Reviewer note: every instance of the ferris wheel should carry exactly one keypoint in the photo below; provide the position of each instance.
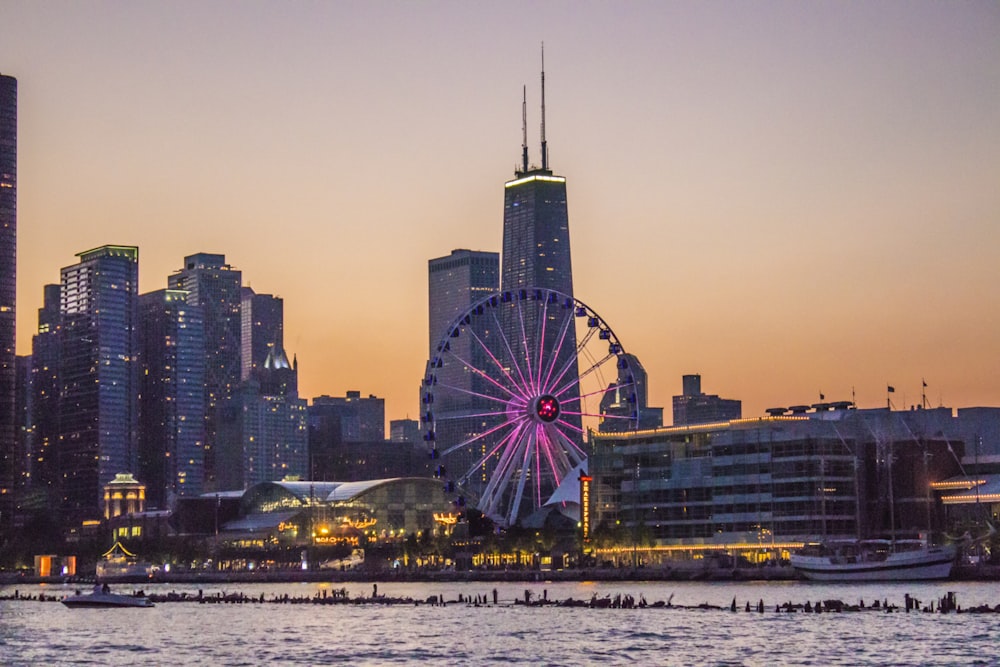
(510, 392)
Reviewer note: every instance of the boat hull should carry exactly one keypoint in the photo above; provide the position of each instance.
(106, 600)
(923, 565)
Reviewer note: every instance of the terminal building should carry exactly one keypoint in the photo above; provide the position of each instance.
(764, 486)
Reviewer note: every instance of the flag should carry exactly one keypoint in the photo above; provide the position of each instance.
(821, 396)
(890, 389)
(924, 382)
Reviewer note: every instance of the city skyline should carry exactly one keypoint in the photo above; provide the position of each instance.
(786, 199)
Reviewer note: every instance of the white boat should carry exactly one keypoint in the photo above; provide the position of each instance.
(103, 597)
(875, 560)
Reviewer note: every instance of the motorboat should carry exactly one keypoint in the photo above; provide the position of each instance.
(103, 597)
(875, 560)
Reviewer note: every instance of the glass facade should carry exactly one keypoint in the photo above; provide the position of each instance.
(98, 375)
(46, 353)
(215, 287)
(172, 404)
(828, 475)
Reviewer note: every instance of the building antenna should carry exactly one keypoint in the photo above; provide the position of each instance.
(545, 148)
(524, 131)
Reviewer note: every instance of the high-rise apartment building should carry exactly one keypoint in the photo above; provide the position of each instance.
(98, 374)
(263, 317)
(263, 432)
(172, 403)
(9, 464)
(215, 287)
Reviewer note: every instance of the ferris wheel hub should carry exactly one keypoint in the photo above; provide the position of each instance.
(545, 408)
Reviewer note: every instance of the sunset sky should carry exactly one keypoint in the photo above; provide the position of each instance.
(786, 197)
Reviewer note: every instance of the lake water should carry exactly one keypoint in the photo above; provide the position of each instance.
(186, 633)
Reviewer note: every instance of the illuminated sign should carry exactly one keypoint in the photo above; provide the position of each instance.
(446, 518)
(585, 481)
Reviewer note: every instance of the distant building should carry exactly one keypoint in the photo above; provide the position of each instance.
(694, 407)
(215, 287)
(10, 464)
(626, 408)
(172, 403)
(99, 376)
(404, 430)
(355, 419)
(263, 323)
(263, 428)
(456, 282)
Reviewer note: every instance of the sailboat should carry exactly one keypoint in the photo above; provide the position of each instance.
(876, 559)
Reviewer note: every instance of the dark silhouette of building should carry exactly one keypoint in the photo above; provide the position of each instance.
(215, 287)
(98, 416)
(172, 403)
(263, 317)
(10, 466)
(694, 407)
(46, 353)
(404, 430)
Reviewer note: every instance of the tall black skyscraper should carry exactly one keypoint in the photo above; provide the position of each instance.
(536, 255)
(9, 463)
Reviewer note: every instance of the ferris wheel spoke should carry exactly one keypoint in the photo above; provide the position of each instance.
(527, 353)
(522, 477)
(557, 352)
(469, 392)
(458, 417)
(476, 437)
(572, 359)
(542, 322)
(510, 353)
(483, 374)
(553, 450)
(504, 441)
(502, 473)
(599, 392)
(581, 376)
(573, 450)
(498, 364)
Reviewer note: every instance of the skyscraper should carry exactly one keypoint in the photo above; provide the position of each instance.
(536, 256)
(9, 464)
(215, 287)
(263, 317)
(263, 431)
(172, 403)
(455, 283)
(98, 374)
(45, 387)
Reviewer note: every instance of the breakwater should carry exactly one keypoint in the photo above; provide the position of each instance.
(943, 605)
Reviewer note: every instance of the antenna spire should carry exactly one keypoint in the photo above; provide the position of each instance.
(524, 131)
(545, 148)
